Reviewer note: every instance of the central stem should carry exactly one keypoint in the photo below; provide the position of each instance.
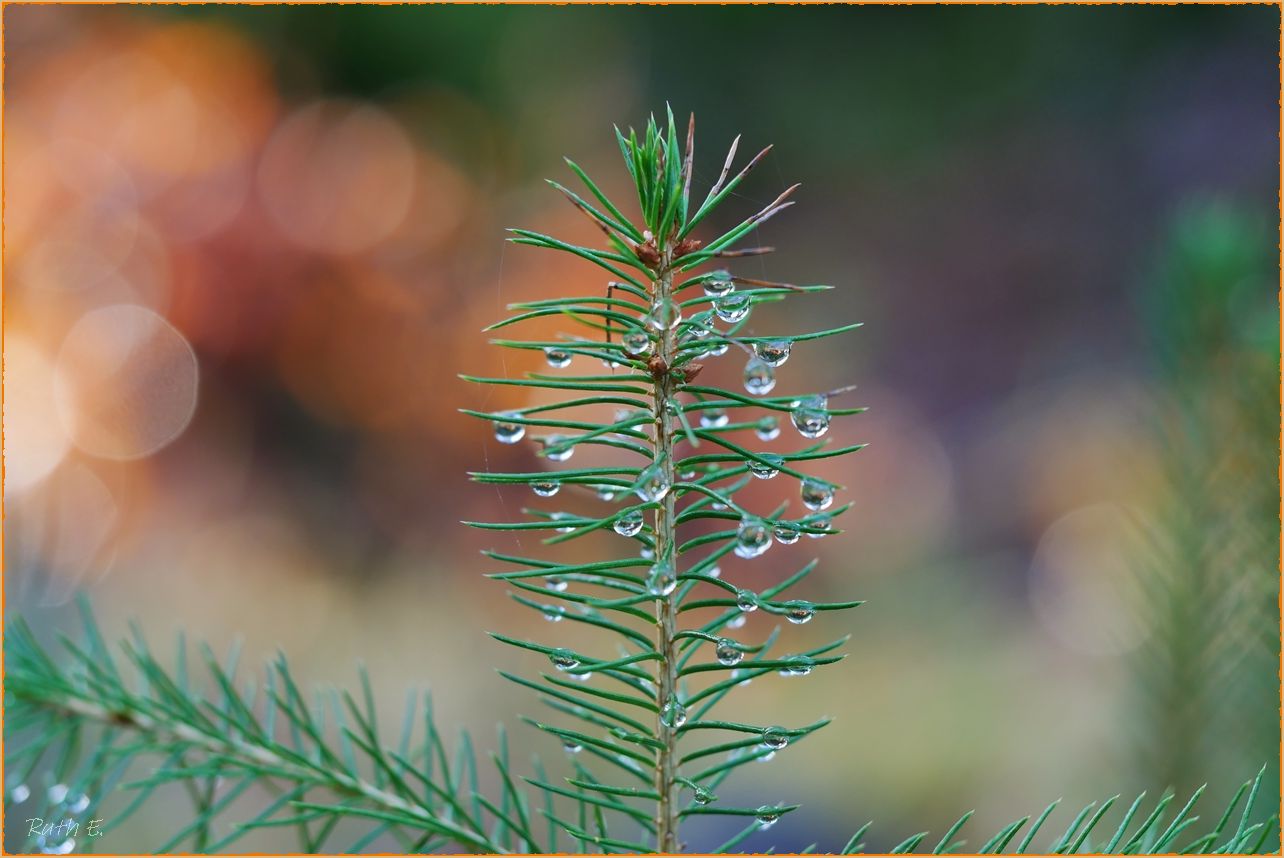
(666, 772)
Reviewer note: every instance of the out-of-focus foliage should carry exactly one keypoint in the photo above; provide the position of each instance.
(1211, 582)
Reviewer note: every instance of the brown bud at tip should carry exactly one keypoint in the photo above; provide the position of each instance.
(649, 255)
(687, 245)
(656, 366)
(691, 371)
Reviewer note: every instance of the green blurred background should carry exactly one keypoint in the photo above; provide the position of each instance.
(248, 249)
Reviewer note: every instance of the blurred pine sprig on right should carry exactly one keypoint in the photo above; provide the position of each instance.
(1208, 677)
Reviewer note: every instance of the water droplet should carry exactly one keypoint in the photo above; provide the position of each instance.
(753, 537)
(732, 307)
(774, 352)
(767, 468)
(648, 553)
(629, 524)
(799, 611)
(563, 659)
(557, 358)
(606, 493)
(553, 613)
(736, 622)
(786, 532)
(816, 495)
(663, 580)
(78, 804)
(775, 738)
(703, 796)
(822, 524)
(507, 432)
(560, 516)
(797, 665)
(546, 488)
(555, 582)
(19, 794)
(637, 342)
(767, 429)
(653, 483)
(767, 816)
(571, 746)
(665, 315)
(714, 418)
(57, 793)
(673, 714)
(714, 572)
(746, 601)
(811, 416)
(759, 377)
(738, 673)
(687, 476)
(62, 848)
(727, 653)
(719, 349)
(719, 284)
(582, 677)
(765, 758)
(557, 455)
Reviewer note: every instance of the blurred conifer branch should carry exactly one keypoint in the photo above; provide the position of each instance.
(1208, 677)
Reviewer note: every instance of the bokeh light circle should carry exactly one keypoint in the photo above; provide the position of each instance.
(125, 382)
(1084, 586)
(34, 442)
(337, 177)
